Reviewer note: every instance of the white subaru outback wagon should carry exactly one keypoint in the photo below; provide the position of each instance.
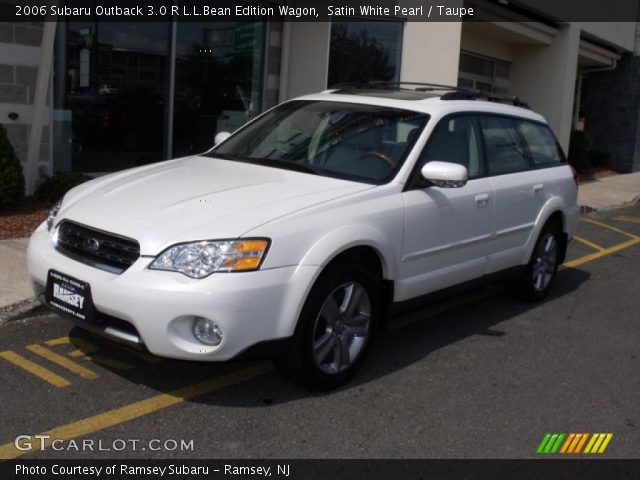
(296, 233)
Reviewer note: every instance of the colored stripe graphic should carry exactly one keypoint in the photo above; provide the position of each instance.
(598, 442)
(594, 437)
(567, 443)
(605, 443)
(550, 443)
(583, 438)
(543, 443)
(574, 442)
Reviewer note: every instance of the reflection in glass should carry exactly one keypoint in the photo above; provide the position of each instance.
(219, 70)
(365, 51)
(110, 94)
(359, 142)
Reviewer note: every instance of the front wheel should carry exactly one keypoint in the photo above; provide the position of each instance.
(537, 278)
(334, 328)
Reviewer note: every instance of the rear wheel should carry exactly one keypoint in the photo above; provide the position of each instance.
(334, 329)
(541, 270)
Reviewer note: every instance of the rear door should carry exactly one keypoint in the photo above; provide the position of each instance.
(519, 193)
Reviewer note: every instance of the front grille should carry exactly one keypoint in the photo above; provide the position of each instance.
(97, 248)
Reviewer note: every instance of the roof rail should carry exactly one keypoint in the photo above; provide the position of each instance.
(469, 94)
(451, 92)
(382, 84)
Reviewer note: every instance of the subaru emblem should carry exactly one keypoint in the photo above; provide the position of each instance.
(92, 244)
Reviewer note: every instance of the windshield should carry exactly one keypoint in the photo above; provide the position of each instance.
(359, 142)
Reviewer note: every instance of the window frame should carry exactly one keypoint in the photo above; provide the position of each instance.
(415, 182)
(527, 152)
(532, 164)
(382, 181)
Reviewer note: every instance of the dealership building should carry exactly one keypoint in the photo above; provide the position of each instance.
(98, 96)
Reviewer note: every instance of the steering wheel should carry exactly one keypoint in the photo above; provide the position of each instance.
(383, 156)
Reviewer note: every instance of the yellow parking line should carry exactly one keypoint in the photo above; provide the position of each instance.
(31, 367)
(600, 253)
(62, 361)
(158, 402)
(492, 290)
(627, 218)
(143, 407)
(588, 243)
(81, 346)
(87, 351)
(610, 227)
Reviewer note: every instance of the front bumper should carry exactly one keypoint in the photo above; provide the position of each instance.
(249, 307)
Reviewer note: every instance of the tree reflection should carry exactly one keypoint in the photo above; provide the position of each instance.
(357, 56)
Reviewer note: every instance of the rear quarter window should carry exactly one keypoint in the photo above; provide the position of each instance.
(542, 144)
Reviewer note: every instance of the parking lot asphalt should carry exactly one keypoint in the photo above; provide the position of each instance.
(477, 375)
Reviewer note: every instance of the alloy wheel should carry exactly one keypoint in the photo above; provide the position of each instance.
(342, 328)
(544, 266)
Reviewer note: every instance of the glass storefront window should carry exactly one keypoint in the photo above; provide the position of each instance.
(218, 86)
(112, 89)
(110, 94)
(365, 51)
(483, 73)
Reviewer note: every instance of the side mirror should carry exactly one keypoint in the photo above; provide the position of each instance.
(445, 174)
(220, 137)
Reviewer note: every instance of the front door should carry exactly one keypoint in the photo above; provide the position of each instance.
(447, 230)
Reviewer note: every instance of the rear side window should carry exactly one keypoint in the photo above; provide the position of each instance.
(542, 144)
(505, 151)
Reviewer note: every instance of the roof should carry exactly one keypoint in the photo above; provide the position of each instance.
(436, 100)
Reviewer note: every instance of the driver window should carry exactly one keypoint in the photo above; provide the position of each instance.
(455, 140)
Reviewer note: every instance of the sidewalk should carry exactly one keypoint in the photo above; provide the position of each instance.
(14, 283)
(608, 192)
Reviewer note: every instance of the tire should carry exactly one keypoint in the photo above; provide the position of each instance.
(335, 328)
(535, 282)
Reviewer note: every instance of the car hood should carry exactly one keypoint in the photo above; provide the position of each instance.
(196, 198)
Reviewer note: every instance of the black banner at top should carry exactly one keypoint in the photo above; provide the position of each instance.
(321, 10)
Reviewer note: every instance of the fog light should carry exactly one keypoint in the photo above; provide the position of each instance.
(207, 331)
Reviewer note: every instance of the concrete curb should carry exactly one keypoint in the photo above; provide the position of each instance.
(586, 209)
(26, 308)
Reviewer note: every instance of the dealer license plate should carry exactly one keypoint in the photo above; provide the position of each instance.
(69, 296)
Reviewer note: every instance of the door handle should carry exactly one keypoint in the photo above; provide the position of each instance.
(538, 188)
(482, 200)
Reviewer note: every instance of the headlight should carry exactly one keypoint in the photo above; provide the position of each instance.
(53, 213)
(199, 259)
